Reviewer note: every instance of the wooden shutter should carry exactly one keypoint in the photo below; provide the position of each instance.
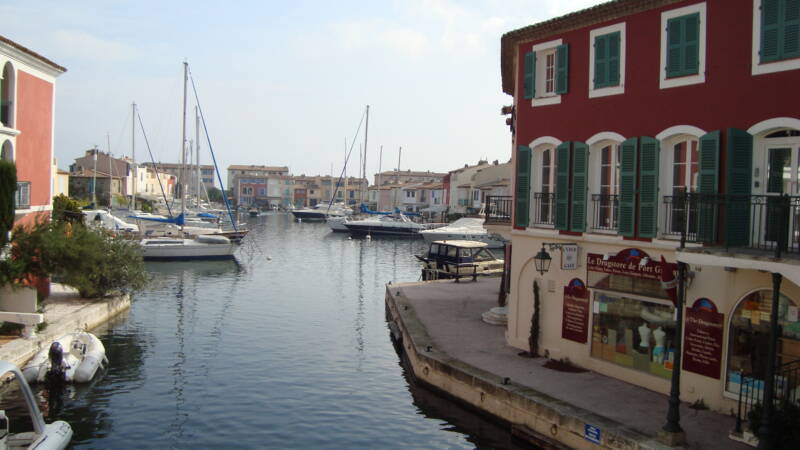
(613, 58)
(708, 180)
(562, 68)
(648, 186)
(562, 186)
(601, 61)
(580, 176)
(790, 47)
(770, 30)
(691, 44)
(674, 47)
(523, 186)
(530, 75)
(738, 185)
(628, 156)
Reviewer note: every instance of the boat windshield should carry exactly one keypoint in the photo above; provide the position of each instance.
(482, 254)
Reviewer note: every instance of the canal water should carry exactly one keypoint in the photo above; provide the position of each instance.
(285, 348)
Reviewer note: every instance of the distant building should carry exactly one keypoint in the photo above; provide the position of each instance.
(27, 102)
(469, 185)
(407, 176)
(207, 175)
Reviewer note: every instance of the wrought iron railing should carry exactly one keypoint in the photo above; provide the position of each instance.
(758, 222)
(751, 392)
(604, 215)
(498, 209)
(543, 208)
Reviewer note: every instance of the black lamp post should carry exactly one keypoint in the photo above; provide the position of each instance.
(543, 259)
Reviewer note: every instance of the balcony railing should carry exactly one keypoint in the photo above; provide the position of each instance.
(498, 209)
(604, 215)
(751, 392)
(543, 208)
(757, 222)
(23, 195)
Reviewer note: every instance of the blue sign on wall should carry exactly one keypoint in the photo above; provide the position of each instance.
(591, 433)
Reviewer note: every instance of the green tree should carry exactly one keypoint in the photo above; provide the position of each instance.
(215, 195)
(65, 208)
(8, 186)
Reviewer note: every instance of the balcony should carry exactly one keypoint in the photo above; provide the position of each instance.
(754, 223)
(543, 209)
(498, 209)
(604, 212)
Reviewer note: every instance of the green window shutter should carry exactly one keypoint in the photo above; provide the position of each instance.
(627, 187)
(790, 47)
(523, 186)
(613, 58)
(691, 44)
(738, 185)
(770, 30)
(562, 68)
(580, 176)
(530, 75)
(601, 61)
(674, 47)
(648, 186)
(708, 180)
(562, 186)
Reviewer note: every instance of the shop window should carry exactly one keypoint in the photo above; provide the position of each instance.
(749, 337)
(634, 333)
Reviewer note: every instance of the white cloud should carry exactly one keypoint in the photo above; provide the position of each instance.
(84, 46)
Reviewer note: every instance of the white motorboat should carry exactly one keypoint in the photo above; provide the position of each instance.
(103, 219)
(465, 228)
(82, 353)
(45, 436)
(396, 225)
(322, 211)
(457, 258)
(202, 247)
(337, 223)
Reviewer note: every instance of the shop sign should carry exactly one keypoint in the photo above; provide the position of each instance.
(702, 340)
(591, 433)
(575, 317)
(630, 262)
(569, 257)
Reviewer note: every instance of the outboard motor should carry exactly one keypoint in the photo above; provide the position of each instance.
(56, 378)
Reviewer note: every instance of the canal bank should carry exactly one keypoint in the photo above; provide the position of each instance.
(64, 312)
(449, 347)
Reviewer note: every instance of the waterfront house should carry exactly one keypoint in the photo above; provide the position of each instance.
(207, 175)
(27, 121)
(650, 129)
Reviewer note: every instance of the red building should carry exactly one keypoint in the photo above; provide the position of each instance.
(658, 128)
(27, 105)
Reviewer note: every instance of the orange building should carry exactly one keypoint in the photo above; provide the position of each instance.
(27, 105)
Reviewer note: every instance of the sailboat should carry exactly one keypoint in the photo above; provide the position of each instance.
(200, 247)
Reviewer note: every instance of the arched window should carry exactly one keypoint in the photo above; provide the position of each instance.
(544, 186)
(749, 336)
(7, 96)
(7, 151)
(605, 187)
(681, 156)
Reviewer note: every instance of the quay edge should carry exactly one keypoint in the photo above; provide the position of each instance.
(64, 312)
(531, 415)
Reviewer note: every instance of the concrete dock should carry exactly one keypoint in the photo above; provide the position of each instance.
(450, 348)
(64, 312)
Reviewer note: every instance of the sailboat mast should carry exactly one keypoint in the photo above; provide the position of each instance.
(363, 186)
(110, 179)
(397, 176)
(197, 154)
(183, 139)
(133, 157)
(380, 164)
(344, 173)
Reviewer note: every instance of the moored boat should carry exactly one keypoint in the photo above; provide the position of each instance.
(321, 212)
(465, 228)
(393, 225)
(80, 354)
(201, 247)
(459, 258)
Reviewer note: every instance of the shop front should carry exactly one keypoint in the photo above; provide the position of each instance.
(633, 317)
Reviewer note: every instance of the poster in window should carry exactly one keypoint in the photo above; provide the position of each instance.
(575, 317)
(702, 340)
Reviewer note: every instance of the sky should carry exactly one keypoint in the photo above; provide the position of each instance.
(282, 83)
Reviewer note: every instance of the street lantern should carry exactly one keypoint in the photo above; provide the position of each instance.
(542, 261)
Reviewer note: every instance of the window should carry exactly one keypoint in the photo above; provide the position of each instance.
(607, 61)
(607, 188)
(776, 36)
(544, 189)
(546, 73)
(23, 195)
(683, 46)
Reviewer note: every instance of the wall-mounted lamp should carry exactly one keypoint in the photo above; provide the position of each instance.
(543, 259)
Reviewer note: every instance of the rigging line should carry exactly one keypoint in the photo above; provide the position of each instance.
(211, 149)
(155, 167)
(352, 144)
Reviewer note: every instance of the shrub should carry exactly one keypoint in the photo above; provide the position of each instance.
(65, 208)
(94, 262)
(8, 185)
(783, 426)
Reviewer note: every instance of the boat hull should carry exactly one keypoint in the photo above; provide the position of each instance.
(309, 215)
(388, 230)
(186, 250)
